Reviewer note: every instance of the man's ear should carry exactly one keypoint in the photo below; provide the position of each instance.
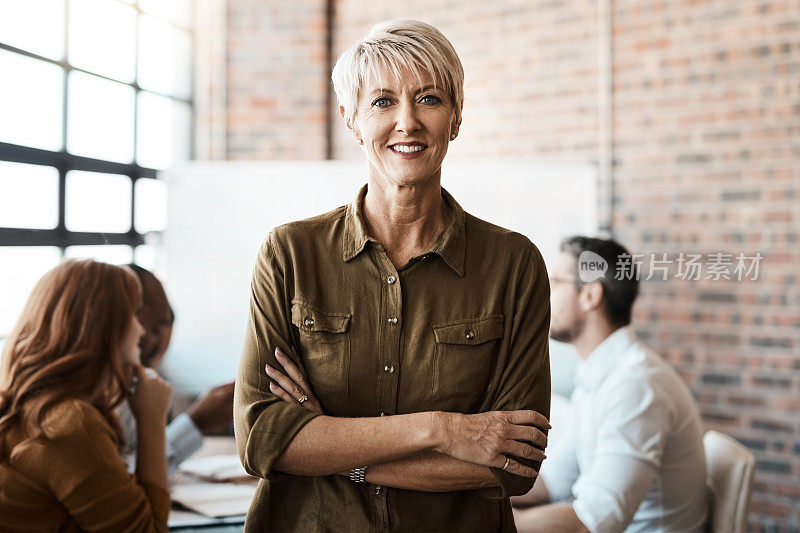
(591, 296)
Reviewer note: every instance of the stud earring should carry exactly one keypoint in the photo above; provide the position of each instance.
(452, 136)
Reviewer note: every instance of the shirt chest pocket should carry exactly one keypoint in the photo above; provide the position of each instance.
(464, 358)
(324, 346)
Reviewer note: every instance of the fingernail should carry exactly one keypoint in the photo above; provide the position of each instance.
(278, 352)
(268, 368)
(271, 385)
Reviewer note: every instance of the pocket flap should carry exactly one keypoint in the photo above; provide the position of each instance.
(309, 319)
(470, 331)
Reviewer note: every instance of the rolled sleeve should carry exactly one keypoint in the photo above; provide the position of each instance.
(183, 439)
(560, 471)
(525, 379)
(630, 444)
(609, 495)
(263, 423)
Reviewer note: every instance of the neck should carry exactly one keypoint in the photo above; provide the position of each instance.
(596, 331)
(406, 220)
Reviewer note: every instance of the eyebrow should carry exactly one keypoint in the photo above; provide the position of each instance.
(389, 91)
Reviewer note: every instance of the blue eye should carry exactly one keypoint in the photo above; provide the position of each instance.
(381, 102)
(430, 99)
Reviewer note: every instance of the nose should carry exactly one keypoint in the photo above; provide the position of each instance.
(407, 121)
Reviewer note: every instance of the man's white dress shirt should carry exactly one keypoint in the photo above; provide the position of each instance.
(632, 455)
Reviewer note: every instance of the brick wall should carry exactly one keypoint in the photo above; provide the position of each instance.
(706, 145)
(707, 139)
(277, 79)
(526, 93)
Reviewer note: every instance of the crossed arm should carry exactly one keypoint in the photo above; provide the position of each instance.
(431, 451)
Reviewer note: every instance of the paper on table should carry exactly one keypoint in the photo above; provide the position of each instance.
(216, 468)
(179, 518)
(214, 499)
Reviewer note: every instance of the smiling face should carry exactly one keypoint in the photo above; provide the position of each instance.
(405, 125)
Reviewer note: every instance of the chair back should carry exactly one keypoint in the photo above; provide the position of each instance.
(729, 471)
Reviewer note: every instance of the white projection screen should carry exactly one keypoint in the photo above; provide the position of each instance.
(219, 213)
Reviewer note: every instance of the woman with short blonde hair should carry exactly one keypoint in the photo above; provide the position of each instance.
(395, 372)
(67, 364)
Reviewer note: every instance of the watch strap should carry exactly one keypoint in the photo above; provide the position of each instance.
(357, 475)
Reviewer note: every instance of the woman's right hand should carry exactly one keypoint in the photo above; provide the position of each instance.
(490, 438)
(151, 400)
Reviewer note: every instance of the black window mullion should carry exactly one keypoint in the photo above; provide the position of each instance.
(64, 162)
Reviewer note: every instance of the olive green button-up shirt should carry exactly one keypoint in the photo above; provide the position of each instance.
(462, 327)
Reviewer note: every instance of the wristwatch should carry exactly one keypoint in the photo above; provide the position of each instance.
(357, 475)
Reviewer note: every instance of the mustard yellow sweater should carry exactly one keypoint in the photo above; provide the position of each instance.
(77, 481)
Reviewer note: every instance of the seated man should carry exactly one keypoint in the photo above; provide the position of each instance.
(210, 414)
(632, 453)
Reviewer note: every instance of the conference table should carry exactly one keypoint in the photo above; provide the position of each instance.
(184, 519)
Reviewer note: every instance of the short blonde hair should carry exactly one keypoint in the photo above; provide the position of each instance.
(398, 45)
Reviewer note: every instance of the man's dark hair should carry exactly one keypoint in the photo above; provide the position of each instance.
(620, 284)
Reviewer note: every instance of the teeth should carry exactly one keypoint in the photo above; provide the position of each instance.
(407, 149)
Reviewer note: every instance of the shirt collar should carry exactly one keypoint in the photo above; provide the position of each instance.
(603, 359)
(450, 245)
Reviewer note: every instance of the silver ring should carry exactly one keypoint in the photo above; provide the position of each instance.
(505, 466)
(302, 399)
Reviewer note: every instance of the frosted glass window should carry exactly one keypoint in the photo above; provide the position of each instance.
(33, 25)
(176, 11)
(164, 131)
(31, 104)
(20, 269)
(150, 211)
(165, 58)
(102, 38)
(145, 257)
(100, 123)
(28, 196)
(98, 202)
(116, 254)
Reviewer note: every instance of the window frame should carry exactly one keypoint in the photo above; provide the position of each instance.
(65, 162)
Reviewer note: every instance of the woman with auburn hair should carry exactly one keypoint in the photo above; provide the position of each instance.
(70, 360)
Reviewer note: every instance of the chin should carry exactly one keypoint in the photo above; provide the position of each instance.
(561, 335)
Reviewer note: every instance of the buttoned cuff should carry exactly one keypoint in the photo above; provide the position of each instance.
(183, 439)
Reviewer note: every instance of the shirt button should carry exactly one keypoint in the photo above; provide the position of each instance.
(469, 334)
(308, 322)
(391, 279)
(393, 320)
(389, 369)
(378, 490)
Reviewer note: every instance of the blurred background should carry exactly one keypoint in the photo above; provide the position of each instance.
(177, 133)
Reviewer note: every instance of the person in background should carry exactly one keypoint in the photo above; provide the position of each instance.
(632, 455)
(211, 414)
(69, 361)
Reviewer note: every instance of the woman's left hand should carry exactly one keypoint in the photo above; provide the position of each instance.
(291, 386)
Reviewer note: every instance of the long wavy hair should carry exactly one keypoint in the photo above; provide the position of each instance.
(67, 344)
